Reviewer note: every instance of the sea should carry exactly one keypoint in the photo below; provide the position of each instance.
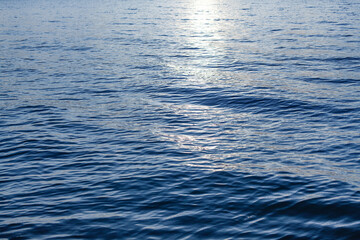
(180, 119)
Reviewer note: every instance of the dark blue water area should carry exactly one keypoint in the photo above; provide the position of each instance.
(179, 119)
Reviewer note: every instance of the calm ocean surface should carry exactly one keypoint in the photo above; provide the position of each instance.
(179, 119)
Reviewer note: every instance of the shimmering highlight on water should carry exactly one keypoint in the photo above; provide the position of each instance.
(190, 119)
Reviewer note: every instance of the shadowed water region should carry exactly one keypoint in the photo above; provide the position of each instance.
(179, 119)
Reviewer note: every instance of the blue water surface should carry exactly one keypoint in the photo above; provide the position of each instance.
(179, 119)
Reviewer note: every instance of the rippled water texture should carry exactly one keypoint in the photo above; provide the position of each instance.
(181, 119)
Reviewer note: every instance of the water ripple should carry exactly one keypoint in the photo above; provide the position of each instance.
(179, 120)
